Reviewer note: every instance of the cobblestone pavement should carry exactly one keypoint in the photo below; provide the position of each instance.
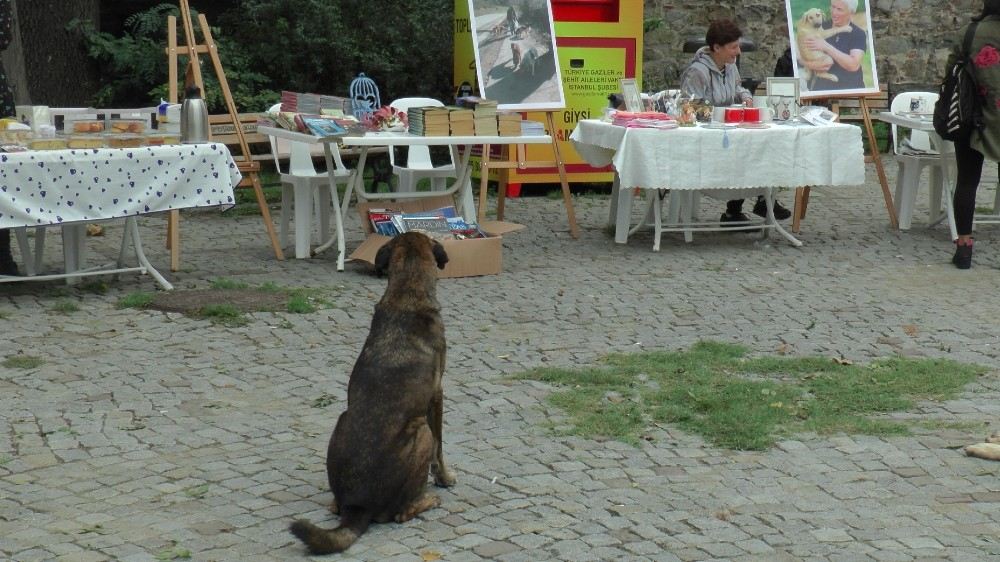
(152, 436)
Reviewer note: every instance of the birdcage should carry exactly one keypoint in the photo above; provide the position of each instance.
(364, 96)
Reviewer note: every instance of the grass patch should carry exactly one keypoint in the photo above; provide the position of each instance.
(744, 403)
(64, 306)
(23, 362)
(225, 314)
(300, 304)
(136, 300)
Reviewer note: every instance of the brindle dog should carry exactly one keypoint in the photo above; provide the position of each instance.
(390, 435)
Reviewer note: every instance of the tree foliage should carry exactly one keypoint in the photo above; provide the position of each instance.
(266, 46)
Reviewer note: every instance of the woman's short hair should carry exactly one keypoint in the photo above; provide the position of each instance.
(722, 32)
(852, 5)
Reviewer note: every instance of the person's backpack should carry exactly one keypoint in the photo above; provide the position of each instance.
(959, 109)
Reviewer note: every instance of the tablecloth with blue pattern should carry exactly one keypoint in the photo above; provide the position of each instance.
(53, 187)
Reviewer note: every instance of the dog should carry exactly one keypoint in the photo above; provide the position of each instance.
(521, 31)
(499, 29)
(389, 436)
(809, 26)
(526, 58)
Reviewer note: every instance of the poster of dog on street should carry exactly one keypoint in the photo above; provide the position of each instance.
(515, 47)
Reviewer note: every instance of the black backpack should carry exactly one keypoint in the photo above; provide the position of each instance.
(959, 107)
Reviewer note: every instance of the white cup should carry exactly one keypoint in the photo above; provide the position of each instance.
(719, 114)
(766, 114)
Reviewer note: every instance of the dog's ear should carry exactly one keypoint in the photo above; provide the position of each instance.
(439, 254)
(382, 258)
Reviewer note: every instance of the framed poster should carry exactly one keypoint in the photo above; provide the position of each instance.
(630, 91)
(516, 59)
(832, 47)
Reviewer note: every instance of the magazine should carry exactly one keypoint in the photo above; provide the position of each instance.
(816, 115)
(320, 125)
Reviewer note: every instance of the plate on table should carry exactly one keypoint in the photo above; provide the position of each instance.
(919, 115)
(718, 125)
(755, 125)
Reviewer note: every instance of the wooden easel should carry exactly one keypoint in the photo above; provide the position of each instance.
(802, 193)
(505, 164)
(249, 168)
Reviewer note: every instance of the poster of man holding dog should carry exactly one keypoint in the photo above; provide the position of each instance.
(514, 44)
(832, 46)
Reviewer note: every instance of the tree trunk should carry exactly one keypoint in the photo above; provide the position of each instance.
(13, 62)
(56, 69)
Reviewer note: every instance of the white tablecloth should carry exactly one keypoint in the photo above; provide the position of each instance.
(700, 158)
(39, 188)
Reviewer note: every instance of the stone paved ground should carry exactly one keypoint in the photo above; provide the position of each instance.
(150, 436)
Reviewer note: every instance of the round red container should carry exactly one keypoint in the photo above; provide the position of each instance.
(751, 115)
(735, 115)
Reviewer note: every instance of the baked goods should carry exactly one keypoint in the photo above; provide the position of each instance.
(89, 126)
(127, 126)
(85, 141)
(47, 144)
(124, 141)
(158, 139)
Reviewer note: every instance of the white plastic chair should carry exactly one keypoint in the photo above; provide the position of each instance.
(301, 186)
(926, 151)
(418, 160)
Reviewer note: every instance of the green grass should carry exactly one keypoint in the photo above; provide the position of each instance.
(225, 314)
(745, 403)
(136, 300)
(300, 304)
(64, 306)
(22, 362)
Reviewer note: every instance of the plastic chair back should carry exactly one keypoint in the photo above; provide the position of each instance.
(418, 157)
(919, 140)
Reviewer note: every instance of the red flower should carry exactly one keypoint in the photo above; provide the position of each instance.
(987, 56)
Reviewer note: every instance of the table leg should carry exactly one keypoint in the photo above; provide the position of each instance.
(466, 199)
(133, 228)
(484, 180)
(337, 214)
(770, 220)
(615, 188)
(623, 216)
(303, 217)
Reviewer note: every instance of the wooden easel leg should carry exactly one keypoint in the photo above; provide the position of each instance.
(801, 204)
(174, 239)
(567, 196)
(502, 181)
(266, 216)
(873, 147)
(484, 182)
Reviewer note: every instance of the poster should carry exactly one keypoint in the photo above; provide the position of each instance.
(832, 47)
(515, 49)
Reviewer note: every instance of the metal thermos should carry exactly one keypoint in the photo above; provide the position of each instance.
(194, 117)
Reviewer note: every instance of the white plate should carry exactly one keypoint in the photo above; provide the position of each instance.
(718, 125)
(755, 125)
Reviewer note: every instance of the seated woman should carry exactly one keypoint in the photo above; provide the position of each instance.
(712, 76)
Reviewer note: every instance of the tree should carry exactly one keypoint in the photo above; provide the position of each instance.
(51, 54)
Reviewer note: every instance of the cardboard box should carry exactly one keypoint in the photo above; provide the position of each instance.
(466, 258)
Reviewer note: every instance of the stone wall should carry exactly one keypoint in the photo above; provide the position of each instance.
(912, 37)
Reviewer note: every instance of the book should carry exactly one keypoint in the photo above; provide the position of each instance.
(436, 227)
(381, 220)
(320, 126)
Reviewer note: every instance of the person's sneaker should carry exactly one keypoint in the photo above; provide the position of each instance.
(780, 213)
(734, 219)
(963, 256)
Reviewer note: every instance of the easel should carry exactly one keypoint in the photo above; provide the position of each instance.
(802, 193)
(505, 164)
(244, 163)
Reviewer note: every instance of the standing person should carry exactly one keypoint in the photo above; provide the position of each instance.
(846, 50)
(712, 76)
(7, 265)
(511, 19)
(972, 151)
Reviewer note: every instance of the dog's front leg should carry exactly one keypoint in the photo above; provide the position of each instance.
(442, 476)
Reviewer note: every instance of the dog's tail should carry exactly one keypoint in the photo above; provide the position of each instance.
(353, 523)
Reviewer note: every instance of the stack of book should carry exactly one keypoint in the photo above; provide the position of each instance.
(461, 121)
(484, 114)
(314, 103)
(440, 224)
(509, 124)
(429, 121)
